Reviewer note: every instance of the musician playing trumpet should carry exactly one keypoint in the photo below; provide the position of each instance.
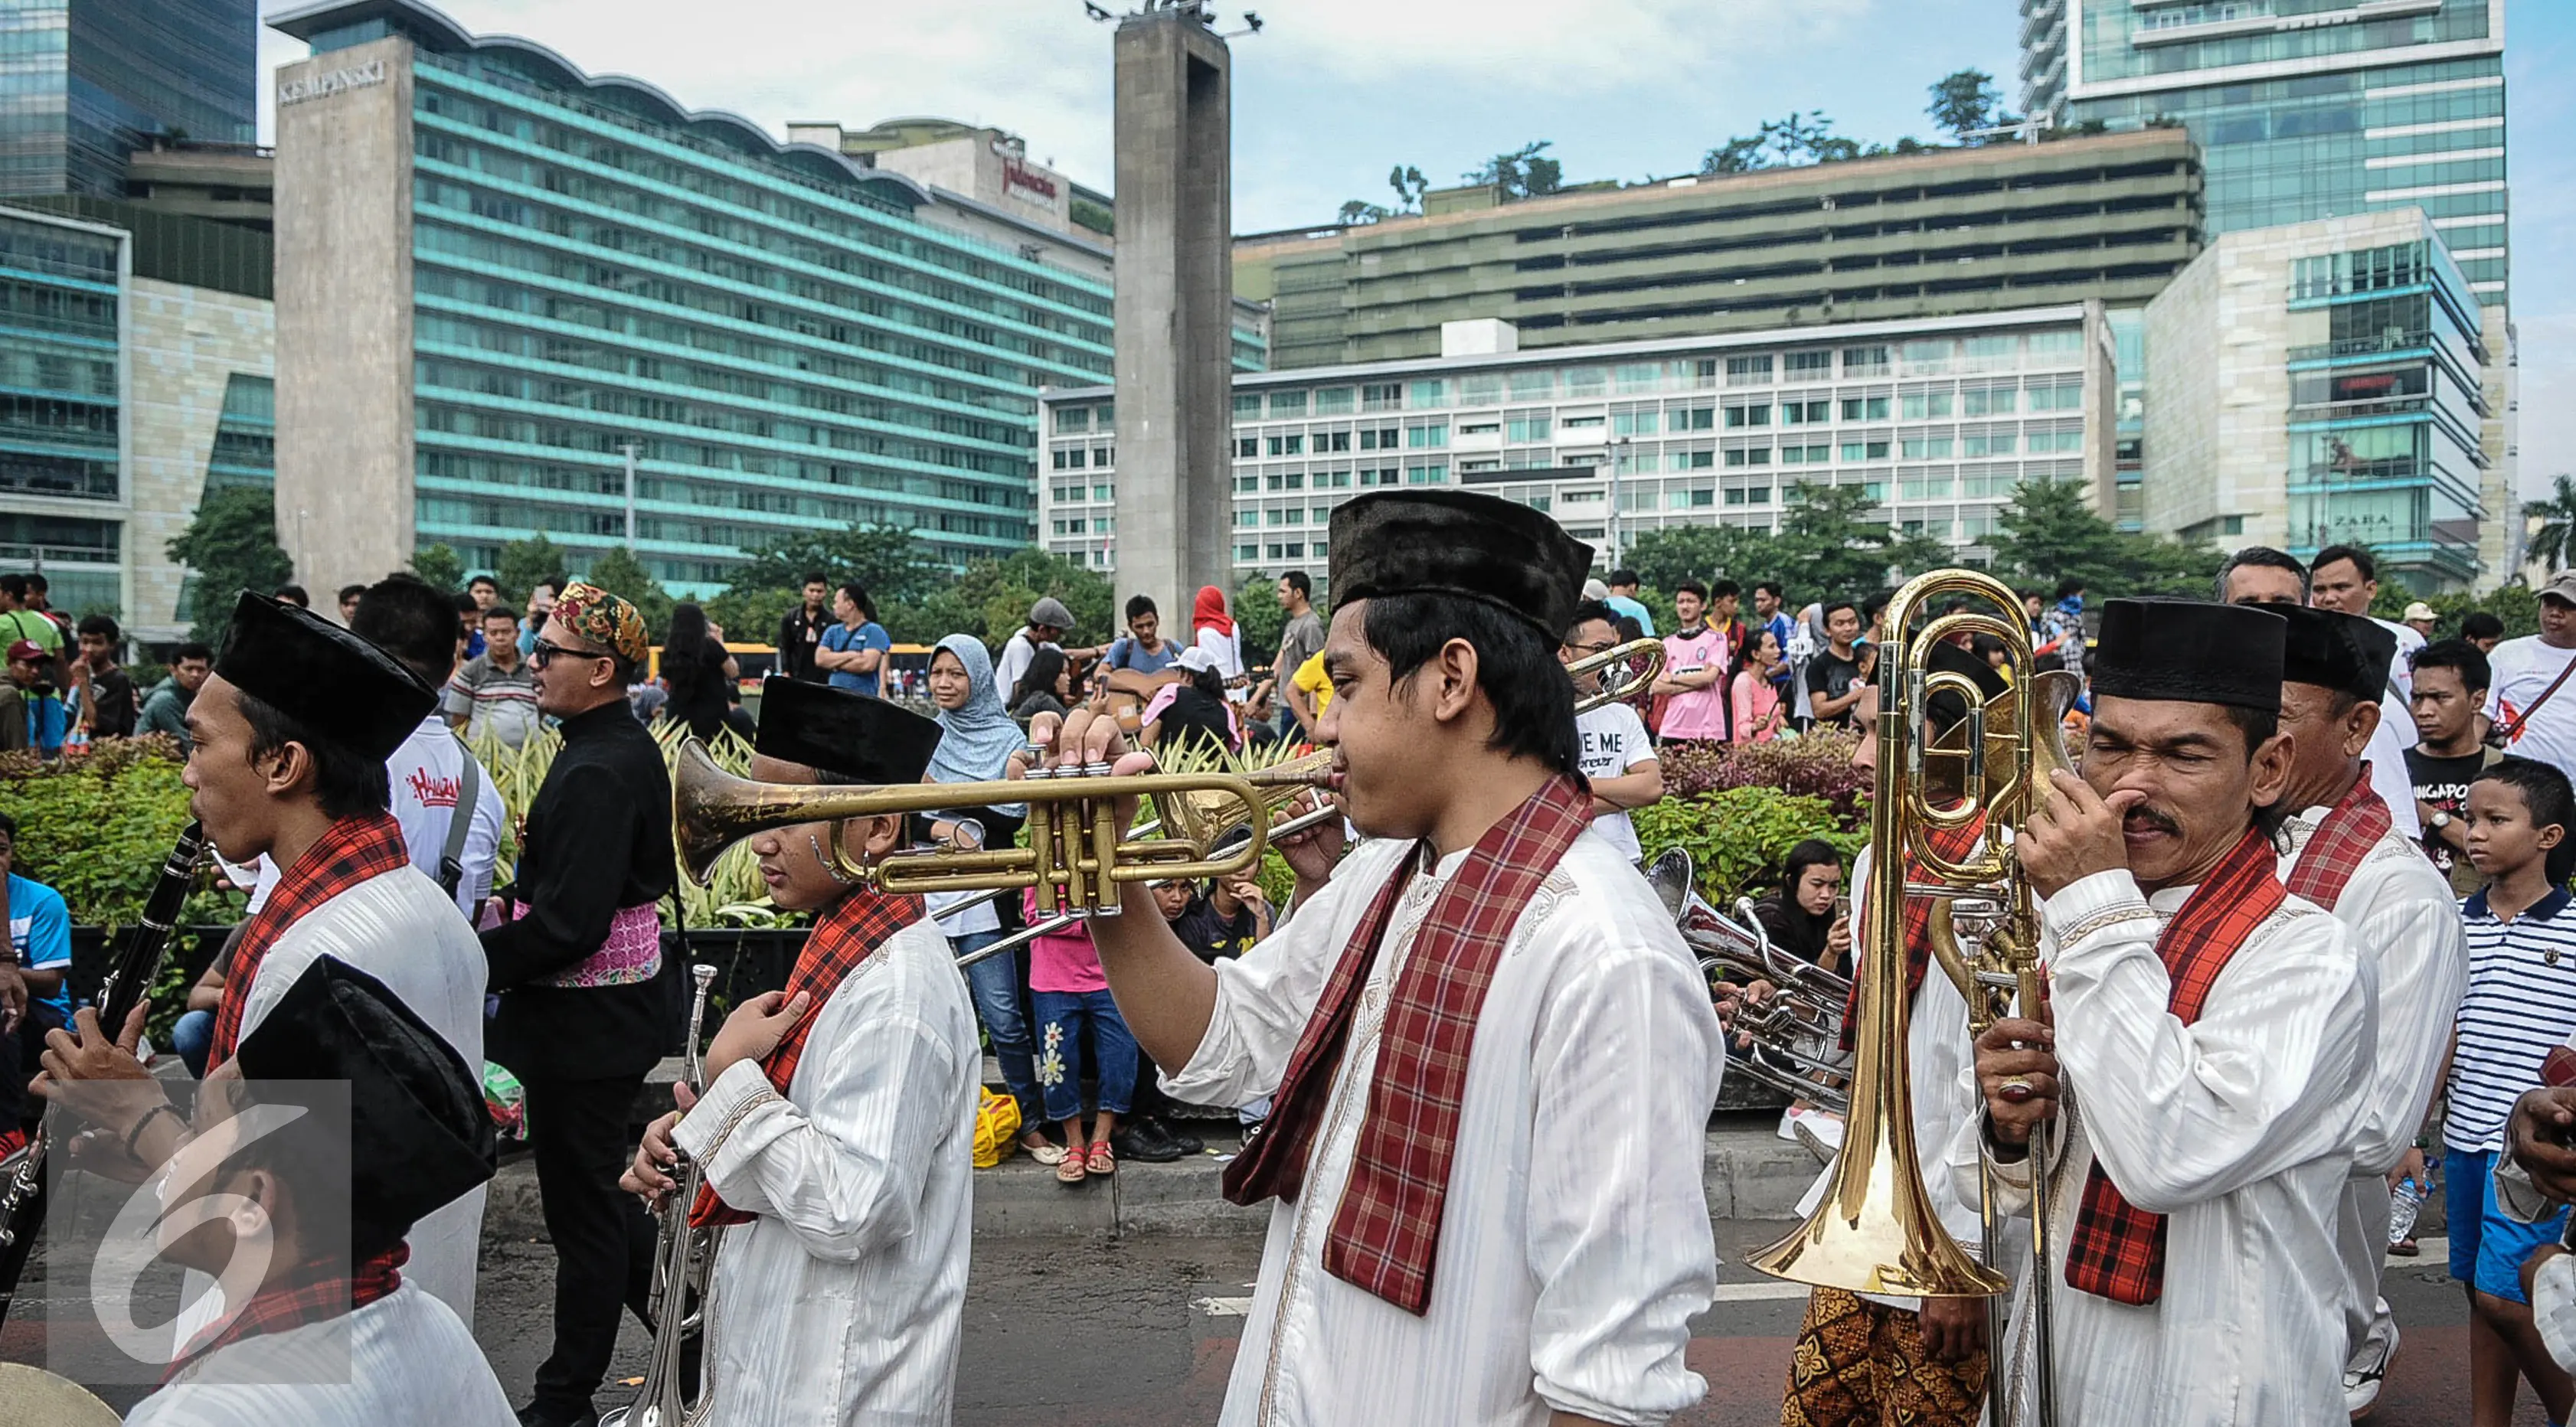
(2210, 1030)
(837, 1127)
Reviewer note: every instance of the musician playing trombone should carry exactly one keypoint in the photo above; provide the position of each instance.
(2207, 1029)
(837, 1127)
(1481, 1037)
(1618, 757)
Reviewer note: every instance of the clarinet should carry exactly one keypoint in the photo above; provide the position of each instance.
(129, 982)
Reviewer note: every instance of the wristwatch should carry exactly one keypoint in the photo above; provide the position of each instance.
(2438, 821)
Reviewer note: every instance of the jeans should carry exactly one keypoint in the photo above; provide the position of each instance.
(192, 1038)
(1061, 1017)
(995, 984)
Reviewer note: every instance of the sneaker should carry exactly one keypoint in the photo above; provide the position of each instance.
(2362, 1378)
(1789, 1125)
(1820, 1132)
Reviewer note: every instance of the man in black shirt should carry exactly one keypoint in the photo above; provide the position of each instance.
(800, 634)
(577, 960)
(108, 705)
(2451, 680)
(1839, 671)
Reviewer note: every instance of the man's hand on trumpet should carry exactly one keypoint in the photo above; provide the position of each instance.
(1081, 739)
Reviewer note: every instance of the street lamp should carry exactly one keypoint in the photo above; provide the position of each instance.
(1616, 443)
(629, 448)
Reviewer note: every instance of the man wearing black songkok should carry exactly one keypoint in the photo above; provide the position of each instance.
(1478, 1011)
(288, 741)
(334, 1332)
(2209, 1026)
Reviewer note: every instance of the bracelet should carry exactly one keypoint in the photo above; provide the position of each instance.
(136, 1133)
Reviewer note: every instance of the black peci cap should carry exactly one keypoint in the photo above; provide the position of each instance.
(843, 733)
(2333, 650)
(2189, 651)
(336, 684)
(1459, 543)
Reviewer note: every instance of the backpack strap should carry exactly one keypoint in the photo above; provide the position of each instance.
(469, 791)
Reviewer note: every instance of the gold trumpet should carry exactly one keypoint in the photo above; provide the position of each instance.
(1075, 856)
(1620, 679)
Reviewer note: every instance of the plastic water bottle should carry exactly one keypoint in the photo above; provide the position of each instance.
(2403, 1206)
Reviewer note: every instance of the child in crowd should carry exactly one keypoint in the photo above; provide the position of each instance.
(2521, 1001)
(1068, 995)
(1226, 920)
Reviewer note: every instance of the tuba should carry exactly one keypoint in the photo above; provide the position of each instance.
(1798, 1031)
(684, 1262)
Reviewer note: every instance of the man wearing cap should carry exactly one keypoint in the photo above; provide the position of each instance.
(337, 1329)
(31, 707)
(575, 958)
(1049, 621)
(837, 1126)
(2529, 701)
(2346, 855)
(288, 741)
(2208, 1030)
(1482, 1012)
(2420, 618)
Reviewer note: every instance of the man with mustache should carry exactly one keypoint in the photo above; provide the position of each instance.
(2206, 1027)
(2346, 855)
(1486, 1010)
(837, 1123)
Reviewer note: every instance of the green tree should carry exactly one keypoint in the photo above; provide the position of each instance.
(1258, 617)
(2050, 533)
(890, 560)
(2554, 544)
(439, 565)
(1409, 186)
(1664, 558)
(230, 546)
(526, 562)
(1828, 543)
(1359, 211)
(621, 574)
(1522, 173)
(1964, 102)
(992, 598)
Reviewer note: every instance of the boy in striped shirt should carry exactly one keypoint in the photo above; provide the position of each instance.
(2521, 1002)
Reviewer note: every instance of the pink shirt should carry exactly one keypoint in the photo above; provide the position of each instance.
(1699, 713)
(1066, 961)
(1757, 703)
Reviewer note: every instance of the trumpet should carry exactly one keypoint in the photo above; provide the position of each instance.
(683, 1265)
(1620, 679)
(1798, 1031)
(1075, 859)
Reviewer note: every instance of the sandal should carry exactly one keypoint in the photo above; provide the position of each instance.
(1102, 1159)
(1071, 1169)
(1042, 1149)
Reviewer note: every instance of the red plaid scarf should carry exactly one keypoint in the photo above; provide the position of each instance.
(315, 1293)
(1386, 1231)
(2352, 827)
(1952, 844)
(839, 944)
(2118, 1250)
(349, 852)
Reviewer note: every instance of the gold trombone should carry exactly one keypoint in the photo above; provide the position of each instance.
(1620, 677)
(1075, 857)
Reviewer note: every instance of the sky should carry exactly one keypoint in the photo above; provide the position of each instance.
(1330, 94)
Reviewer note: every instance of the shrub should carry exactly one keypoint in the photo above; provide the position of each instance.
(1816, 766)
(98, 828)
(1739, 837)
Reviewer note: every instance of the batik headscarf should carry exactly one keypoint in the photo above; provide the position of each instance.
(978, 737)
(605, 620)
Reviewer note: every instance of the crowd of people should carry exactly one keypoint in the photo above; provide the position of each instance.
(2301, 905)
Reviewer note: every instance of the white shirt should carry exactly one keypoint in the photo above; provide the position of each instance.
(1227, 650)
(2401, 669)
(405, 1358)
(841, 1302)
(1614, 740)
(2239, 1128)
(1561, 1283)
(2524, 669)
(1018, 652)
(2387, 758)
(426, 777)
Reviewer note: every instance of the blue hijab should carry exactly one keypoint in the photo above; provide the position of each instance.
(978, 737)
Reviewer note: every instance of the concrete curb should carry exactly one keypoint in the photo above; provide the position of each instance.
(1748, 1173)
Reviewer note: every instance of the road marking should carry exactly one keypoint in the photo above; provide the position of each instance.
(1222, 1307)
(1757, 1292)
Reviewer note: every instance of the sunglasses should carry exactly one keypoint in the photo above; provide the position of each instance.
(546, 652)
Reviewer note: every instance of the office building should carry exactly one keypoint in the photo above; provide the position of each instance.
(980, 164)
(1946, 233)
(136, 359)
(84, 83)
(1940, 419)
(2313, 109)
(504, 279)
(2323, 383)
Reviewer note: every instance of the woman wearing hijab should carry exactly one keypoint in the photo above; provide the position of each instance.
(1213, 630)
(977, 737)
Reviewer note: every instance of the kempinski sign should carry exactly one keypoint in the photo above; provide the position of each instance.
(324, 83)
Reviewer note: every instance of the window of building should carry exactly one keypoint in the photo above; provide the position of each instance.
(1332, 441)
(1999, 401)
(1381, 396)
(1288, 445)
(1747, 371)
(1582, 423)
(1992, 354)
(1381, 439)
(1925, 448)
(1692, 418)
(1340, 480)
(1247, 517)
(2050, 442)
(1480, 428)
(1480, 389)
(1288, 403)
(1527, 428)
(1247, 447)
(1247, 406)
(1293, 515)
(1247, 552)
(1806, 364)
(1100, 456)
(1427, 393)
(2056, 344)
(1806, 455)
(1108, 492)
(1923, 405)
(1581, 382)
(1430, 475)
(1428, 434)
(1864, 408)
(1335, 401)
(1864, 450)
(1930, 357)
(1694, 460)
(2063, 396)
(1533, 384)
(1796, 413)
(1635, 423)
(1756, 456)
(1864, 361)
(1740, 416)
(1070, 419)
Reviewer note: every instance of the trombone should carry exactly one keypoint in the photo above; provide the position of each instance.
(1076, 858)
(1620, 676)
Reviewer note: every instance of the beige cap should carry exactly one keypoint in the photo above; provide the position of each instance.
(2418, 610)
(2561, 586)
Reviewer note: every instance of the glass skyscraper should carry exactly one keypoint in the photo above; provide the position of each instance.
(83, 83)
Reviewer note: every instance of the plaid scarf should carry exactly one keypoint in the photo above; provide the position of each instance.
(2352, 827)
(349, 852)
(1952, 844)
(1386, 1231)
(839, 945)
(2118, 1250)
(315, 1293)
